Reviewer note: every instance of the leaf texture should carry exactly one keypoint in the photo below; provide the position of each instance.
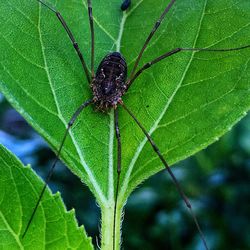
(52, 228)
(186, 102)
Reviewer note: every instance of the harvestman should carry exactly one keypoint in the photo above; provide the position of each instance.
(109, 84)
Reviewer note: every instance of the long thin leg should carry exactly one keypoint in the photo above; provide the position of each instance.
(156, 26)
(70, 124)
(119, 158)
(172, 52)
(75, 44)
(182, 194)
(91, 23)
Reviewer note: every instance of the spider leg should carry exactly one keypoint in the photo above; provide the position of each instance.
(156, 26)
(175, 51)
(118, 137)
(75, 44)
(70, 124)
(91, 23)
(181, 192)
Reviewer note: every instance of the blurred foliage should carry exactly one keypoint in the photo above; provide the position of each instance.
(217, 181)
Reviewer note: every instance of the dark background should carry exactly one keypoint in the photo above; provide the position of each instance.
(217, 181)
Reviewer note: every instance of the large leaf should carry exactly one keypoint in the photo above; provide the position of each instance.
(52, 227)
(186, 102)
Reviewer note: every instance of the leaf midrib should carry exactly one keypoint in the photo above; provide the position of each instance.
(117, 42)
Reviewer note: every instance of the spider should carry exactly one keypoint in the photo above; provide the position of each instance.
(109, 84)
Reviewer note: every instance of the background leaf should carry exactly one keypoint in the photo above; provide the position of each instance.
(52, 225)
(189, 99)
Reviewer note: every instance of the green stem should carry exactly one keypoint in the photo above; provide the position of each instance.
(107, 228)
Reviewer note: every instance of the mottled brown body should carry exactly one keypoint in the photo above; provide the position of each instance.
(109, 84)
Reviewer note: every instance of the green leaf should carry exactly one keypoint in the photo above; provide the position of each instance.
(186, 101)
(52, 228)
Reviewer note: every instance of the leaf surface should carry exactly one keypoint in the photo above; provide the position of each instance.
(52, 228)
(186, 101)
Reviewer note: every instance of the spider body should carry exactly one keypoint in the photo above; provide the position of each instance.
(109, 84)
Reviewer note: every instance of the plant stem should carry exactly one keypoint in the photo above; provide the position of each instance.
(107, 228)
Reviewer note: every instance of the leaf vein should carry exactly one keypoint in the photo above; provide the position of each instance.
(84, 164)
(153, 128)
(11, 231)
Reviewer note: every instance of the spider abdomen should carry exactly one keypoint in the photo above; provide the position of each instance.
(109, 84)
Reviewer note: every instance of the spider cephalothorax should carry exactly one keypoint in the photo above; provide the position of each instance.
(109, 84)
